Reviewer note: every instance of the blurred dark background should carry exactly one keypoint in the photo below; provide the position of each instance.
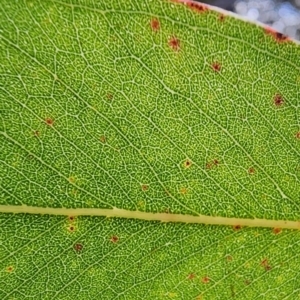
(283, 16)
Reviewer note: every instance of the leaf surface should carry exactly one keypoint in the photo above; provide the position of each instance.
(159, 107)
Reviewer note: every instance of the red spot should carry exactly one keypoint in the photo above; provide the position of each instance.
(237, 227)
(277, 230)
(155, 25)
(191, 276)
(298, 135)
(102, 139)
(205, 279)
(78, 247)
(279, 37)
(278, 100)
(174, 43)
(196, 6)
(49, 121)
(265, 264)
(145, 187)
(251, 170)
(114, 239)
(216, 66)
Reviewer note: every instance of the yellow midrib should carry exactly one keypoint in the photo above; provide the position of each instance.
(163, 217)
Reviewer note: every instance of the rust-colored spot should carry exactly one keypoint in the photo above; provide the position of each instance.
(78, 247)
(174, 43)
(216, 66)
(277, 230)
(251, 170)
(278, 36)
(145, 187)
(9, 269)
(278, 100)
(237, 227)
(114, 239)
(49, 121)
(102, 139)
(265, 264)
(191, 276)
(298, 135)
(155, 25)
(205, 279)
(196, 6)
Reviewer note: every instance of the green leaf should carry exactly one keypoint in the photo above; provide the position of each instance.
(147, 110)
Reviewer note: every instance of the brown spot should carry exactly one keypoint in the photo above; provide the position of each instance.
(145, 187)
(71, 219)
(36, 133)
(49, 121)
(237, 227)
(277, 230)
(247, 281)
(109, 96)
(9, 269)
(200, 8)
(71, 228)
(155, 25)
(229, 258)
(174, 43)
(278, 36)
(71, 179)
(205, 279)
(251, 170)
(278, 100)
(191, 276)
(183, 191)
(216, 66)
(212, 164)
(208, 165)
(187, 163)
(265, 264)
(221, 17)
(78, 247)
(298, 135)
(114, 239)
(102, 139)
(216, 162)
